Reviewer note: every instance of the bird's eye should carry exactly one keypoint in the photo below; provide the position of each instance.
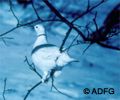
(36, 26)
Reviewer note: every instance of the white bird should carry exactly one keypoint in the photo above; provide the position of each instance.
(47, 57)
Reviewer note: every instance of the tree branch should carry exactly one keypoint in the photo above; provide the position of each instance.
(35, 10)
(66, 36)
(31, 89)
(4, 89)
(11, 9)
(32, 67)
(108, 46)
(61, 92)
(89, 9)
(54, 10)
(71, 45)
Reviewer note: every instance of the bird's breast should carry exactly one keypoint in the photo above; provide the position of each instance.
(44, 60)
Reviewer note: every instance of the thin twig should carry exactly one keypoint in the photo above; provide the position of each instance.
(10, 2)
(97, 32)
(53, 86)
(95, 22)
(89, 9)
(108, 46)
(29, 23)
(35, 10)
(94, 37)
(8, 31)
(55, 11)
(31, 89)
(5, 38)
(4, 89)
(68, 48)
(88, 5)
(32, 67)
(87, 48)
(61, 92)
(52, 82)
(66, 36)
(4, 41)
(111, 35)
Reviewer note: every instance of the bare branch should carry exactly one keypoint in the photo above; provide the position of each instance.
(89, 9)
(32, 67)
(54, 10)
(4, 39)
(8, 31)
(31, 89)
(4, 89)
(61, 92)
(71, 45)
(11, 9)
(35, 10)
(94, 20)
(28, 24)
(108, 46)
(88, 6)
(66, 36)
(87, 48)
(53, 86)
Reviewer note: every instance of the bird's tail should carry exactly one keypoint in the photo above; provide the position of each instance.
(73, 60)
(64, 59)
(57, 73)
(70, 59)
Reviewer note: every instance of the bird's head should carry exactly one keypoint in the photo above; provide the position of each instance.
(39, 29)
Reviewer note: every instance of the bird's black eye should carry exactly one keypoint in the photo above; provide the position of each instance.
(36, 26)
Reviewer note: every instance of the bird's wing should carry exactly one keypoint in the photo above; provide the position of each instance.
(50, 53)
(47, 51)
(45, 57)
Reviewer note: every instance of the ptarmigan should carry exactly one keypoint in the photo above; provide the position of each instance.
(47, 57)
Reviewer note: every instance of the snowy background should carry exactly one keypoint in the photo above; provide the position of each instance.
(98, 67)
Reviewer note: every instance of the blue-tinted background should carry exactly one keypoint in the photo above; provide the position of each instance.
(98, 67)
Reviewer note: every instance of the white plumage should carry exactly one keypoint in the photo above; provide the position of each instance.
(47, 57)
